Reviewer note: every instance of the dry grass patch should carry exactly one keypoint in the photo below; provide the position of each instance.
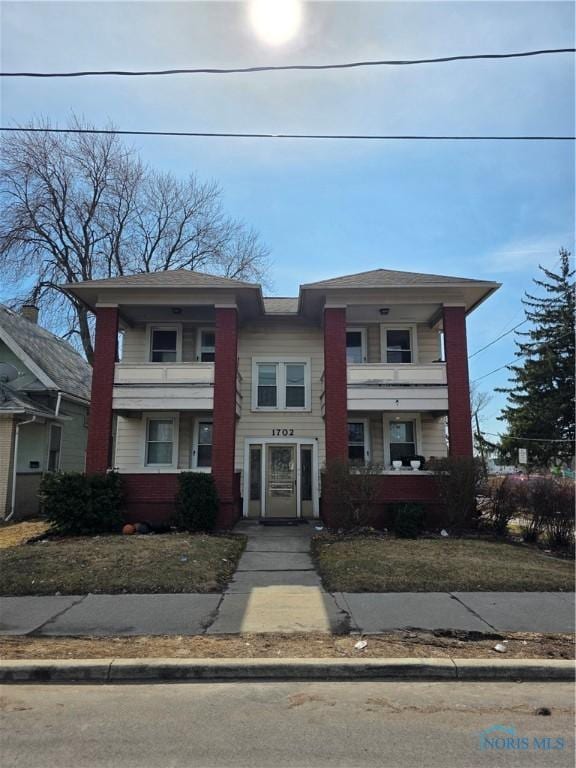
(13, 534)
(357, 564)
(174, 562)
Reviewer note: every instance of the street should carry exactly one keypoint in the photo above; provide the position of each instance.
(301, 725)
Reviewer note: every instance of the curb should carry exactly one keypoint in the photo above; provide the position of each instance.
(169, 670)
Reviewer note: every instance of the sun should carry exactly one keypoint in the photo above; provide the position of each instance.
(275, 21)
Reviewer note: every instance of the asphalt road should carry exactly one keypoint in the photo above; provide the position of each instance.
(275, 725)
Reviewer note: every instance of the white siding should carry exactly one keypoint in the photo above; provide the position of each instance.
(280, 339)
(433, 436)
(6, 447)
(428, 344)
(135, 350)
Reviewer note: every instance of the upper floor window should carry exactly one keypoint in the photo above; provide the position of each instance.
(282, 385)
(356, 345)
(164, 345)
(399, 345)
(206, 345)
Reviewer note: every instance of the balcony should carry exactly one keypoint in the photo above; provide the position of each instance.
(163, 386)
(389, 387)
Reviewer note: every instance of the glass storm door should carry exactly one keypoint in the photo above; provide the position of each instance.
(281, 481)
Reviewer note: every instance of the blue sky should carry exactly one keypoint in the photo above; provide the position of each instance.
(487, 210)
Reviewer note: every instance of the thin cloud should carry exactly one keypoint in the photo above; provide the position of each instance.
(518, 255)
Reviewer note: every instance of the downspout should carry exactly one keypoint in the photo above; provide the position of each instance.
(15, 466)
(58, 401)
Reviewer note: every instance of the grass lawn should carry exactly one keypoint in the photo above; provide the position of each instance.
(174, 562)
(429, 565)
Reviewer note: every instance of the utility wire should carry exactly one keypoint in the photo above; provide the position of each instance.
(517, 361)
(496, 339)
(529, 439)
(233, 135)
(288, 67)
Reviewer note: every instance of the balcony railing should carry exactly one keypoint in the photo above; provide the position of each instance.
(388, 374)
(163, 386)
(389, 387)
(164, 373)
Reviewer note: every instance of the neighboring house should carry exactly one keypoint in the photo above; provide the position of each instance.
(44, 399)
(262, 392)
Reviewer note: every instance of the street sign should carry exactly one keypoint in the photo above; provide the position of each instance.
(522, 456)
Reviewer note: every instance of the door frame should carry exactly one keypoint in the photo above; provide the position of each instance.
(296, 441)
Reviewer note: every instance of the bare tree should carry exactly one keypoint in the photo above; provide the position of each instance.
(82, 206)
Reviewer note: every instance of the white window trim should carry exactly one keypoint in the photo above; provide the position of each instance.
(367, 445)
(163, 327)
(297, 441)
(161, 416)
(59, 464)
(196, 434)
(202, 329)
(387, 419)
(364, 341)
(281, 362)
(398, 327)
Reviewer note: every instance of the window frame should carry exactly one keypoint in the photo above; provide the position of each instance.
(413, 331)
(199, 347)
(363, 331)
(196, 442)
(59, 462)
(406, 416)
(150, 328)
(281, 363)
(367, 447)
(160, 416)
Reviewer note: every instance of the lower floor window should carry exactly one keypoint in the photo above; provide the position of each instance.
(159, 442)
(402, 440)
(356, 442)
(204, 447)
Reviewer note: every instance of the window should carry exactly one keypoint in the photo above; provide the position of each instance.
(160, 442)
(204, 444)
(207, 346)
(54, 448)
(164, 345)
(398, 345)
(255, 473)
(402, 440)
(357, 442)
(356, 345)
(281, 385)
(267, 389)
(306, 472)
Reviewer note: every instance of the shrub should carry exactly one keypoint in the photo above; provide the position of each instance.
(350, 494)
(408, 520)
(559, 514)
(80, 505)
(196, 502)
(535, 513)
(506, 500)
(459, 480)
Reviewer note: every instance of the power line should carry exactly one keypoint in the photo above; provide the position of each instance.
(528, 439)
(288, 67)
(233, 135)
(540, 344)
(496, 339)
(494, 371)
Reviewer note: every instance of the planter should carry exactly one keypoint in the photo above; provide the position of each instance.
(415, 465)
(397, 465)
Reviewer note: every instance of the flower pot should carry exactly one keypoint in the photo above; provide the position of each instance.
(397, 465)
(415, 465)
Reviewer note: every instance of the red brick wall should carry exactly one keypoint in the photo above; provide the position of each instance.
(98, 452)
(456, 351)
(335, 385)
(150, 497)
(224, 418)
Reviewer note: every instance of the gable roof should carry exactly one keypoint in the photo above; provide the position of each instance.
(177, 278)
(52, 360)
(391, 278)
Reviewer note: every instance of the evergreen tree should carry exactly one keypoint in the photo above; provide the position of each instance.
(541, 392)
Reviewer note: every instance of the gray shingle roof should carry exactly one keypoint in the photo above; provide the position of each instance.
(177, 278)
(280, 305)
(387, 278)
(59, 361)
(11, 401)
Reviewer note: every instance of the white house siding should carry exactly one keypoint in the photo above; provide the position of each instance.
(373, 352)
(279, 339)
(135, 346)
(6, 447)
(434, 436)
(428, 341)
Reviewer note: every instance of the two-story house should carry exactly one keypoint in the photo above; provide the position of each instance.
(263, 392)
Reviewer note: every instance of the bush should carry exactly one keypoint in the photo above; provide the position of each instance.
(196, 502)
(350, 495)
(408, 520)
(80, 505)
(459, 480)
(559, 514)
(535, 513)
(506, 500)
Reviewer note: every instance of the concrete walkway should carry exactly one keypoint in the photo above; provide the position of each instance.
(276, 589)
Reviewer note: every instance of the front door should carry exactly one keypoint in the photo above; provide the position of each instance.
(281, 481)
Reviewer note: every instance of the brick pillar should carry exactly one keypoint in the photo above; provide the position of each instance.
(459, 414)
(224, 418)
(335, 385)
(99, 450)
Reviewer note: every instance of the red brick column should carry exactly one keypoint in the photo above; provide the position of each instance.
(99, 450)
(224, 419)
(455, 349)
(335, 385)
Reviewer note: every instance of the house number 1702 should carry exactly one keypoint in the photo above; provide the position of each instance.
(282, 432)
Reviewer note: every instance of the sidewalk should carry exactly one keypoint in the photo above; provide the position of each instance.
(276, 589)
